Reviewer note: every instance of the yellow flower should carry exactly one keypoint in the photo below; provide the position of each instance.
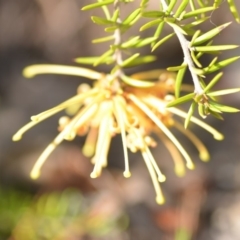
(113, 107)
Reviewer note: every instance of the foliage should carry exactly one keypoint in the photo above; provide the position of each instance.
(136, 105)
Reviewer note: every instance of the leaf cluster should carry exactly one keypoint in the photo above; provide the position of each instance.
(184, 18)
(194, 44)
(111, 23)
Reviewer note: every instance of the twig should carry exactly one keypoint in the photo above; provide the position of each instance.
(118, 40)
(187, 56)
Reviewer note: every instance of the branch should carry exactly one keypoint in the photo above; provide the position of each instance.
(187, 56)
(118, 40)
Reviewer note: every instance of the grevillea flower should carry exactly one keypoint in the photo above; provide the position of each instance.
(112, 107)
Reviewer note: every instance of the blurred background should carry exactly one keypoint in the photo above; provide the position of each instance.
(64, 203)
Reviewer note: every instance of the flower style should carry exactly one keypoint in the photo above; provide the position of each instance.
(111, 107)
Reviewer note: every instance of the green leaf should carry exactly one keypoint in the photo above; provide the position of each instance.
(177, 68)
(105, 10)
(224, 108)
(130, 59)
(195, 35)
(141, 60)
(189, 114)
(181, 100)
(202, 3)
(192, 5)
(88, 60)
(213, 109)
(135, 42)
(181, 16)
(179, 79)
(201, 53)
(115, 15)
(189, 31)
(220, 65)
(224, 92)
(103, 58)
(132, 16)
(197, 22)
(194, 58)
(104, 39)
(101, 21)
(97, 5)
(215, 114)
(158, 32)
(213, 62)
(114, 69)
(217, 3)
(163, 40)
(181, 8)
(143, 42)
(111, 29)
(150, 24)
(209, 35)
(178, 28)
(202, 110)
(123, 28)
(233, 10)
(170, 19)
(197, 12)
(198, 71)
(144, 3)
(131, 42)
(171, 6)
(153, 14)
(214, 48)
(202, 83)
(137, 83)
(213, 82)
